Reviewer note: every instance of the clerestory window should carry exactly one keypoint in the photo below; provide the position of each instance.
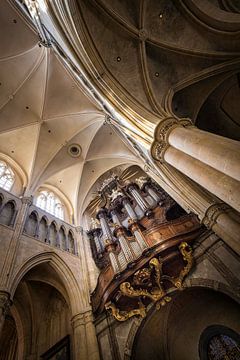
(7, 176)
(49, 202)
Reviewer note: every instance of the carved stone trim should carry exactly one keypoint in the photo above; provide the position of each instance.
(5, 303)
(213, 212)
(161, 135)
(28, 200)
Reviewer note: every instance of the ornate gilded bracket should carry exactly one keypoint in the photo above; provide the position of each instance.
(147, 284)
(187, 255)
(125, 315)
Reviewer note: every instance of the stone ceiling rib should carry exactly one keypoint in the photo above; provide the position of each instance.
(43, 110)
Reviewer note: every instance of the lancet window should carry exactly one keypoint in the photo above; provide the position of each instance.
(7, 176)
(49, 202)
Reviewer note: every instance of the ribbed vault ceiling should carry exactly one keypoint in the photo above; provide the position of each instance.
(150, 49)
(43, 110)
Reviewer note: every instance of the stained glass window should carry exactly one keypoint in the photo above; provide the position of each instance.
(223, 347)
(7, 176)
(49, 202)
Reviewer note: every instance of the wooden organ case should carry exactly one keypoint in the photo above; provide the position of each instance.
(141, 242)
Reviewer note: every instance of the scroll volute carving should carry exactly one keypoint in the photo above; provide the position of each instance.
(150, 284)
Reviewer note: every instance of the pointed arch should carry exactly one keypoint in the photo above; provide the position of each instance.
(74, 290)
(31, 224)
(7, 213)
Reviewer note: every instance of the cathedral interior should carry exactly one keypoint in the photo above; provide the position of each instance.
(120, 179)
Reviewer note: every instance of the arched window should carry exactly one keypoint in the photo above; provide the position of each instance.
(7, 176)
(219, 342)
(49, 202)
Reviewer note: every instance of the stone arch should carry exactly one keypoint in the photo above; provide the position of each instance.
(213, 285)
(198, 307)
(53, 234)
(45, 284)
(193, 283)
(71, 242)
(62, 238)
(7, 214)
(43, 229)
(73, 288)
(31, 224)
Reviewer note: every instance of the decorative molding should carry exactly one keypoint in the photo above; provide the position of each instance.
(5, 303)
(213, 212)
(147, 284)
(161, 135)
(28, 200)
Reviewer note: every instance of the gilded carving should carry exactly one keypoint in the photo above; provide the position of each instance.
(147, 283)
(187, 255)
(125, 315)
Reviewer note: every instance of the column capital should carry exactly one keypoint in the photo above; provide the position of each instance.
(212, 213)
(161, 135)
(27, 200)
(5, 302)
(82, 318)
(79, 229)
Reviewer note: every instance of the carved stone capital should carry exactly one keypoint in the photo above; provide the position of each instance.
(5, 302)
(28, 200)
(213, 212)
(79, 230)
(81, 319)
(161, 135)
(78, 320)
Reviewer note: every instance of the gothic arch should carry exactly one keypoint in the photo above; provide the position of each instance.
(73, 289)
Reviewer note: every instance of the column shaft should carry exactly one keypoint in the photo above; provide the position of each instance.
(216, 151)
(219, 184)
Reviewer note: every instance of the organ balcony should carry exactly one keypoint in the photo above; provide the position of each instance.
(141, 241)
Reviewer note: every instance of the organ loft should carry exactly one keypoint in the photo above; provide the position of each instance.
(119, 180)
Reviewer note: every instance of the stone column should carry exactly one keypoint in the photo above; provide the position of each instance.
(5, 303)
(85, 340)
(194, 198)
(79, 337)
(208, 159)
(216, 151)
(92, 344)
(219, 184)
(220, 153)
(218, 218)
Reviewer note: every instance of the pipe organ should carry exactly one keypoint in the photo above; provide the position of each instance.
(137, 232)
